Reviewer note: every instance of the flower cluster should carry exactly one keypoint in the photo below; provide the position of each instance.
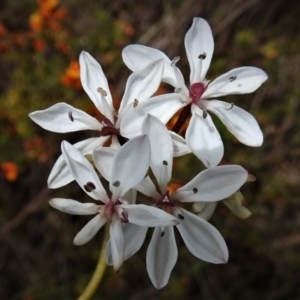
(139, 140)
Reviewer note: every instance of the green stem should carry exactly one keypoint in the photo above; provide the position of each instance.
(99, 272)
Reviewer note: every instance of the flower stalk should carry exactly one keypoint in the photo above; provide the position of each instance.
(96, 279)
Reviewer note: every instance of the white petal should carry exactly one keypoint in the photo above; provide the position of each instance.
(236, 204)
(203, 138)
(161, 256)
(60, 174)
(103, 159)
(149, 216)
(204, 210)
(239, 122)
(199, 40)
(134, 237)
(161, 150)
(137, 57)
(117, 242)
(180, 147)
(83, 172)
(89, 230)
(63, 117)
(202, 239)
(130, 165)
(212, 184)
(163, 107)
(92, 78)
(242, 80)
(142, 84)
(147, 187)
(73, 207)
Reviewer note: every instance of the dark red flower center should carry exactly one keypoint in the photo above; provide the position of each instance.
(196, 91)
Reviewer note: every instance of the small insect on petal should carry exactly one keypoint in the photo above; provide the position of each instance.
(180, 216)
(165, 163)
(89, 187)
(71, 116)
(102, 91)
(175, 60)
(177, 90)
(202, 55)
(204, 114)
(230, 107)
(232, 78)
(116, 183)
(162, 234)
(195, 190)
(135, 103)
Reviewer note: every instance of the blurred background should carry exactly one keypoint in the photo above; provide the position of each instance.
(40, 42)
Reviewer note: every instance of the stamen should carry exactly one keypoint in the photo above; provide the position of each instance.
(232, 78)
(202, 55)
(175, 60)
(89, 186)
(195, 190)
(71, 116)
(204, 113)
(101, 91)
(177, 90)
(162, 234)
(135, 103)
(165, 163)
(180, 216)
(230, 107)
(116, 183)
(124, 218)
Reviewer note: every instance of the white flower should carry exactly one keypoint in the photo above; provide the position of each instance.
(63, 117)
(129, 167)
(202, 239)
(202, 137)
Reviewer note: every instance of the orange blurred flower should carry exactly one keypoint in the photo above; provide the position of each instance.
(3, 30)
(71, 77)
(35, 148)
(129, 29)
(36, 21)
(39, 45)
(47, 6)
(172, 187)
(10, 170)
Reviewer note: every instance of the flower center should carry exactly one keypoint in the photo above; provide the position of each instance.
(165, 202)
(109, 209)
(196, 91)
(109, 128)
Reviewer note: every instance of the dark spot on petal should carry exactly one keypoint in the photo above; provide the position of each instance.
(89, 187)
(165, 163)
(202, 55)
(232, 78)
(135, 103)
(180, 216)
(195, 190)
(204, 114)
(230, 107)
(116, 183)
(102, 91)
(71, 116)
(162, 234)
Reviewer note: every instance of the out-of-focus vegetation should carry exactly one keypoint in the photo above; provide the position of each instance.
(39, 47)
